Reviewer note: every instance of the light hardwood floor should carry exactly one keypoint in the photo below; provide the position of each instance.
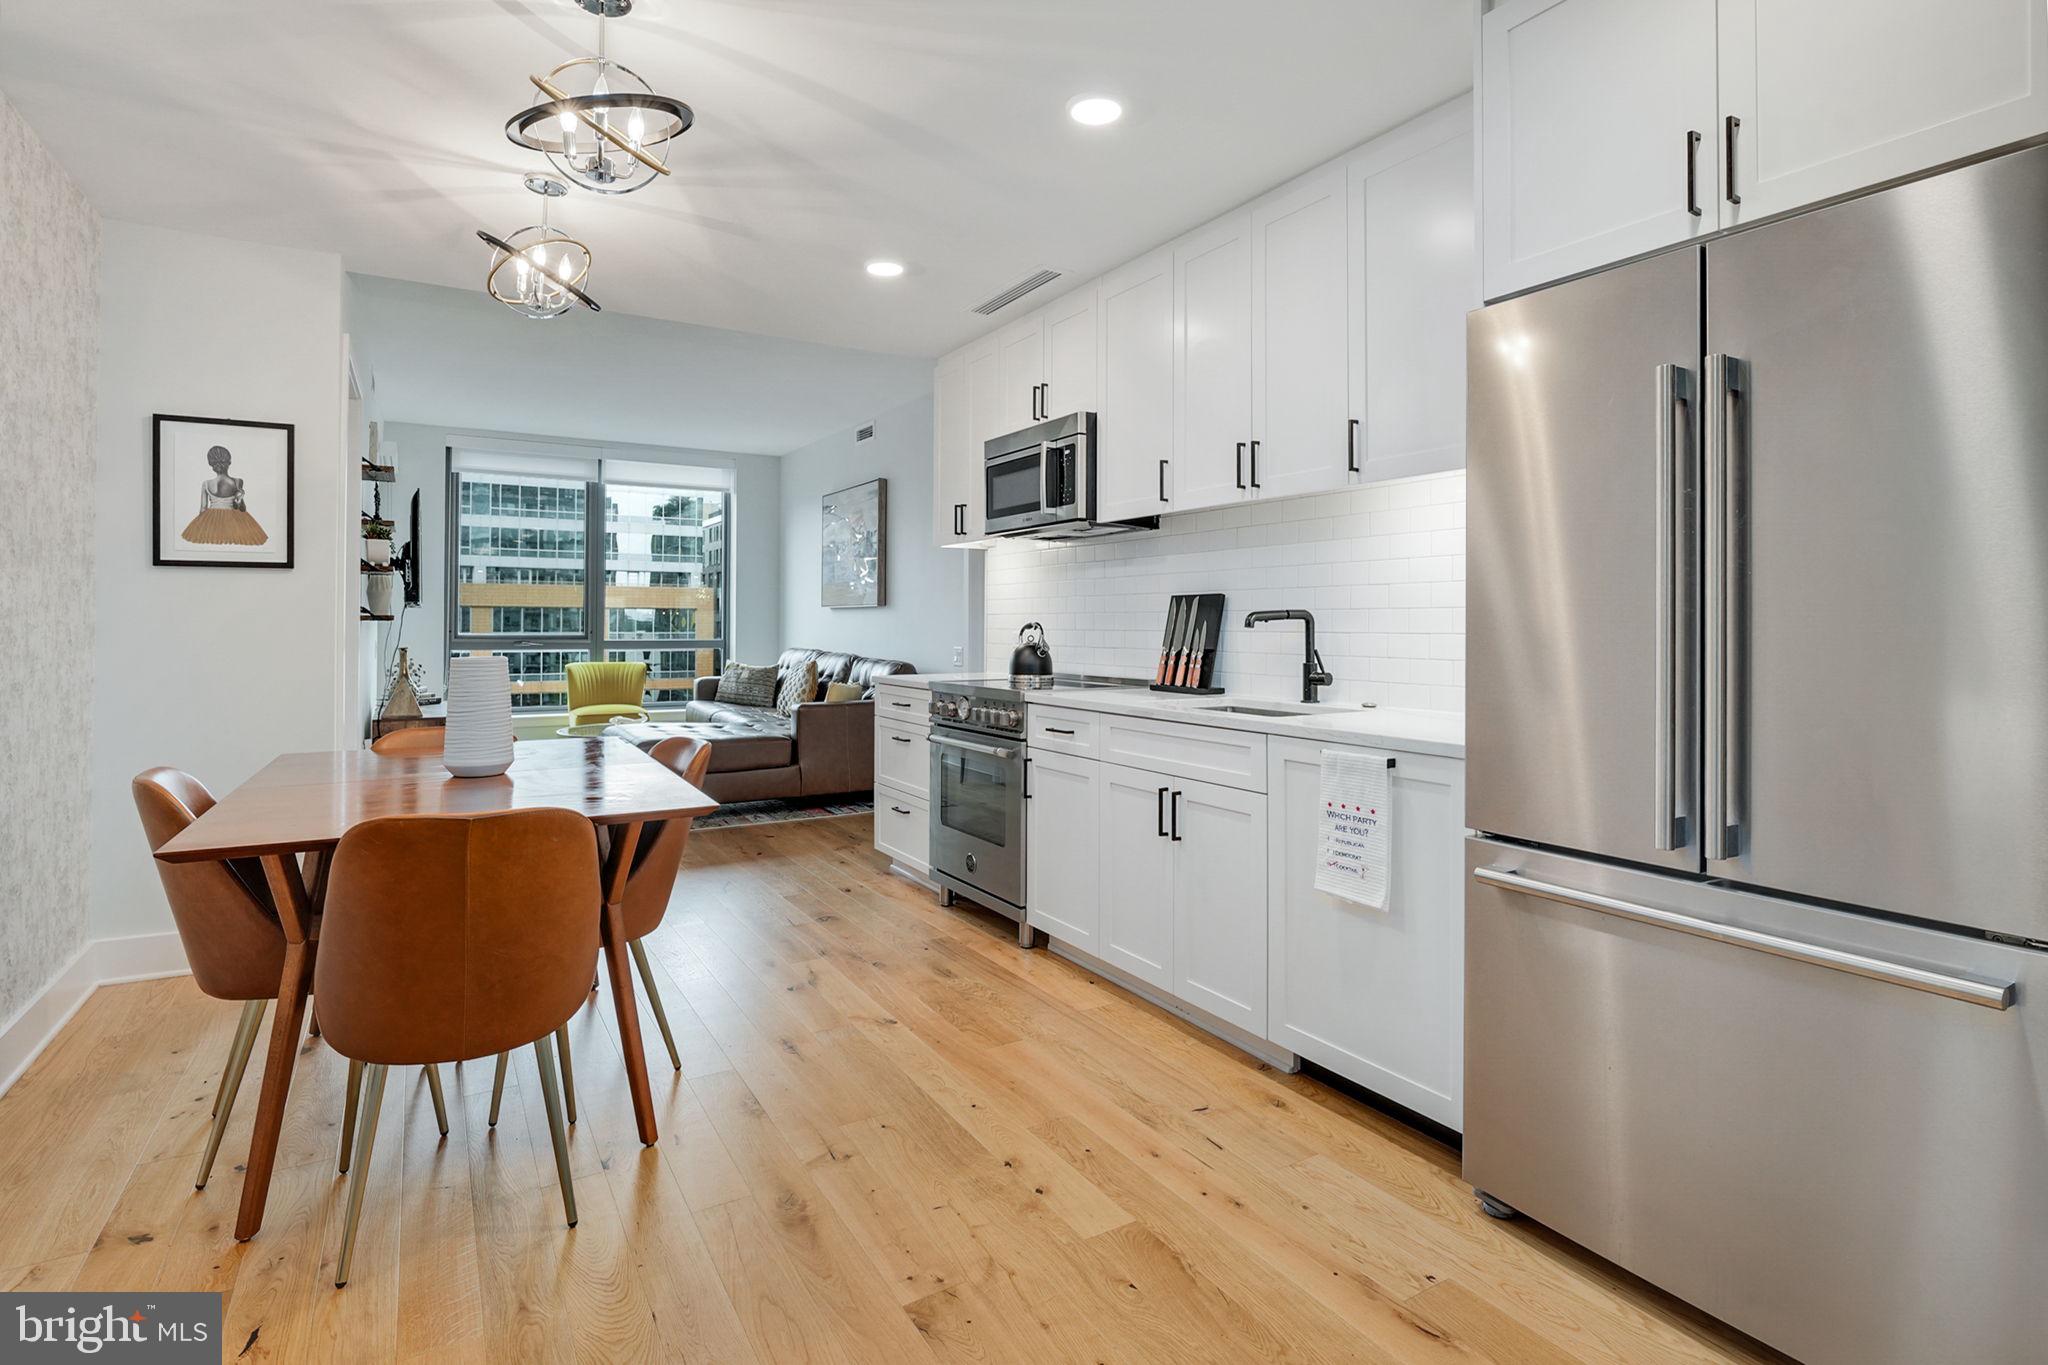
(895, 1138)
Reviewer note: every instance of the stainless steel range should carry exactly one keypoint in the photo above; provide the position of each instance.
(980, 781)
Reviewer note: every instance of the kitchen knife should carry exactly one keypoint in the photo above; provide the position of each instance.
(1194, 678)
(1166, 645)
(1187, 642)
(1179, 667)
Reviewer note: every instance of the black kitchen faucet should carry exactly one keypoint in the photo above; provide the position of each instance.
(1313, 675)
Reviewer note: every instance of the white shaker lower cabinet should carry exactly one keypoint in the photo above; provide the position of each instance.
(1136, 856)
(1062, 848)
(1374, 995)
(903, 828)
(1218, 840)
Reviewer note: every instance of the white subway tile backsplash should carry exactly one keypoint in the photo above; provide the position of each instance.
(1382, 567)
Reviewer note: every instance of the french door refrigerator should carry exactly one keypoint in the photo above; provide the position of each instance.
(1758, 764)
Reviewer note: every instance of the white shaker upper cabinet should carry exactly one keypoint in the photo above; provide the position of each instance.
(1020, 366)
(986, 418)
(1212, 286)
(1599, 125)
(1300, 361)
(1827, 96)
(1414, 276)
(1070, 355)
(1134, 467)
(951, 439)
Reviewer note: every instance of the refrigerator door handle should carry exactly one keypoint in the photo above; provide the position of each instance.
(1997, 995)
(1726, 381)
(1674, 587)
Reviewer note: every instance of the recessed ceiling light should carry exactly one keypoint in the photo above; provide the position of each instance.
(885, 270)
(1094, 110)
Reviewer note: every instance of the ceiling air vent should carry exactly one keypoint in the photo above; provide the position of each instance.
(1016, 291)
(866, 433)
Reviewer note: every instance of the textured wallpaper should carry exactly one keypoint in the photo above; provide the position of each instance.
(49, 356)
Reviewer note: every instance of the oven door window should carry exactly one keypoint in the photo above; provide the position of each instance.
(974, 795)
(1016, 486)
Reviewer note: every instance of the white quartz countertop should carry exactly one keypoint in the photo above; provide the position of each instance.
(1403, 729)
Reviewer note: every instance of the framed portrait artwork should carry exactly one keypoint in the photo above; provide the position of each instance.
(222, 493)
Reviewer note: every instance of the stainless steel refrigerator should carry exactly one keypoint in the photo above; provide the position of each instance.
(1758, 757)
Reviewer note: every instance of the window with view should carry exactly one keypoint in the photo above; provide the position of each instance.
(550, 569)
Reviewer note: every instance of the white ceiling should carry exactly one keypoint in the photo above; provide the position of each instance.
(453, 358)
(828, 132)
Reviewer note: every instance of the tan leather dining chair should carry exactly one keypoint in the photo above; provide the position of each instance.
(226, 923)
(420, 739)
(450, 937)
(656, 860)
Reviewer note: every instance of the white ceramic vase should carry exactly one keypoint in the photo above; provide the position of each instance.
(383, 600)
(479, 738)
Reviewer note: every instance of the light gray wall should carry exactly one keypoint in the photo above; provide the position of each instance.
(216, 671)
(419, 450)
(454, 356)
(49, 339)
(927, 590)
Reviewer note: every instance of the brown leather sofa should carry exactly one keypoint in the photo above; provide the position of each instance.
(758, 753)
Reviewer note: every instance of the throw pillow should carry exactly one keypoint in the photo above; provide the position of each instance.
(747, 685)
(843, 691)
(799, 685)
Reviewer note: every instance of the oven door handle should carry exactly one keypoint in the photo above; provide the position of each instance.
(1046, 477)
(989, 749)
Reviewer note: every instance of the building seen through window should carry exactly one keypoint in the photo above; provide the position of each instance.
(523, 576)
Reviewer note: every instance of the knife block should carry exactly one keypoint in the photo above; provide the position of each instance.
(1198, 616)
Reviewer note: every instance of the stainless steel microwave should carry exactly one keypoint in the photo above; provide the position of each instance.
(1041, 479)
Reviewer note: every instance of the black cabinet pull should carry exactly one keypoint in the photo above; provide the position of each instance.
(1162, 812)
(901, 810)
(1055, 730)
(899, 739)
(1240, 464)
(1162, 482)
(1176, 817)
(1728, 134)
(903, 704)
(1027, 779)
(1255, 464)
(1692, 173)
(1351, 447)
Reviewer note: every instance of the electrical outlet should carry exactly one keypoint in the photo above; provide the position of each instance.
(959, 655)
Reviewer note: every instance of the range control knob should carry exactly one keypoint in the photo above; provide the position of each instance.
(1010, 718)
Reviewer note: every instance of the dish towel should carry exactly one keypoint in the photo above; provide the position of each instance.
(1354, 847)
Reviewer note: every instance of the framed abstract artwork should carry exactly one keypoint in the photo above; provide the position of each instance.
(222, 493)
(854, 545)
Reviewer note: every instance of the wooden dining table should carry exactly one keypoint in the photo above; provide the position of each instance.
(291, 814)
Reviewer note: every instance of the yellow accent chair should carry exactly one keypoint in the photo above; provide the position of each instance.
(599, 692)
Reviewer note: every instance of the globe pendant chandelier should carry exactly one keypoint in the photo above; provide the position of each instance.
(539, 271)
(601, 126)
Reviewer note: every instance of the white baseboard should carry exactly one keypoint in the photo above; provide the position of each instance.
(101, 962)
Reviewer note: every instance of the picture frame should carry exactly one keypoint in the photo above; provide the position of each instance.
(223, 493)
(853, 546)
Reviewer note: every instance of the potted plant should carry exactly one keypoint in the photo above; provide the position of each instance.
(377, 541)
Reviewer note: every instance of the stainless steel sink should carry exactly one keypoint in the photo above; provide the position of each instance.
(1253, 711)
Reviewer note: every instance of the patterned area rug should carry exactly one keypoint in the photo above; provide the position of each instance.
(768, 812)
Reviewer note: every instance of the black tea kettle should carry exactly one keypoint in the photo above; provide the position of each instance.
(1031, 659)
